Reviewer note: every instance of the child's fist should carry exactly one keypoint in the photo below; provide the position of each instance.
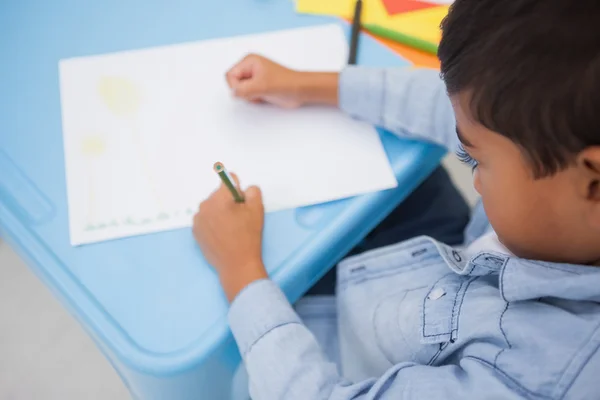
(260, 80)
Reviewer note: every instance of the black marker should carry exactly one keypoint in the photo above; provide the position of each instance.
(355, 33)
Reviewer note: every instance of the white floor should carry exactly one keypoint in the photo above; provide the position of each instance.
(44, 353)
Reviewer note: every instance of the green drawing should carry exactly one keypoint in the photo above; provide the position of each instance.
(163, 216)
(132, 221)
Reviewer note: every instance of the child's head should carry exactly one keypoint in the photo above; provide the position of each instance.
(524, 80)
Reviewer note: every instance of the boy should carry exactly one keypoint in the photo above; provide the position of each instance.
(515, 313)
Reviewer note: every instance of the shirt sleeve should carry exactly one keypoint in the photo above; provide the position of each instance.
(409, 102)
(284, 361)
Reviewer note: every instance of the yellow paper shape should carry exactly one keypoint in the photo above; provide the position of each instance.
(120, 95)
(371, 9)
(423, 24)
(341, 8)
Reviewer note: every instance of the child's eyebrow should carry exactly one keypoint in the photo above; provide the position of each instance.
(462, 139)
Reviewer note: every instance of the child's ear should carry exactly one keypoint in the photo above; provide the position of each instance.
(588, 162)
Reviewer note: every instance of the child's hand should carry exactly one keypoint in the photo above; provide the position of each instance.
(260, 80)
(230, 237)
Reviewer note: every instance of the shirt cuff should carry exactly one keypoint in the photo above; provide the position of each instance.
(258, 309)
(361, 92)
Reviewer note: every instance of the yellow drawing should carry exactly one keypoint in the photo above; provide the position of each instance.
(93, 146)
(124, 98)
(120, 95)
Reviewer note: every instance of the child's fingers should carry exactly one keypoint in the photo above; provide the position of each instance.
(236, 74)
(236, 180)
(249, 89)
(244, 69)
(231, 79)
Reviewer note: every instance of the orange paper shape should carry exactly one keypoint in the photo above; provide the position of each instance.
(416, 57)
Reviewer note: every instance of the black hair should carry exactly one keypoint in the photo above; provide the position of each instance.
(531, 69)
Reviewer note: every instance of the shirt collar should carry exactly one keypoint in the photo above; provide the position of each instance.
(522, 279)
(526, 280)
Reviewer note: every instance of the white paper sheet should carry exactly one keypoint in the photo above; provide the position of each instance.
(143, 128)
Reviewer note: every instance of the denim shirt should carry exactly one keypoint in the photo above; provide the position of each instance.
(419, 319)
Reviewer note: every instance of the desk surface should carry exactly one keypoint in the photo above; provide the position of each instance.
(151, 300)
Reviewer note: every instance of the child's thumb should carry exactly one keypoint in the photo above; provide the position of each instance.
(254, 195)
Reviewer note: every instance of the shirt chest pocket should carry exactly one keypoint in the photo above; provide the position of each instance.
(398, 304)
(416, 325)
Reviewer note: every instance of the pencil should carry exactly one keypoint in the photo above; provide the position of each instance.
(402, 38)
(224, 175)
(355, 35)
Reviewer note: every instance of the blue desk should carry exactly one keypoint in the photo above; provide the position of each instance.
(151, 303)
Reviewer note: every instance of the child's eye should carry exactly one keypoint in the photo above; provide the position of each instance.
(464, 157)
